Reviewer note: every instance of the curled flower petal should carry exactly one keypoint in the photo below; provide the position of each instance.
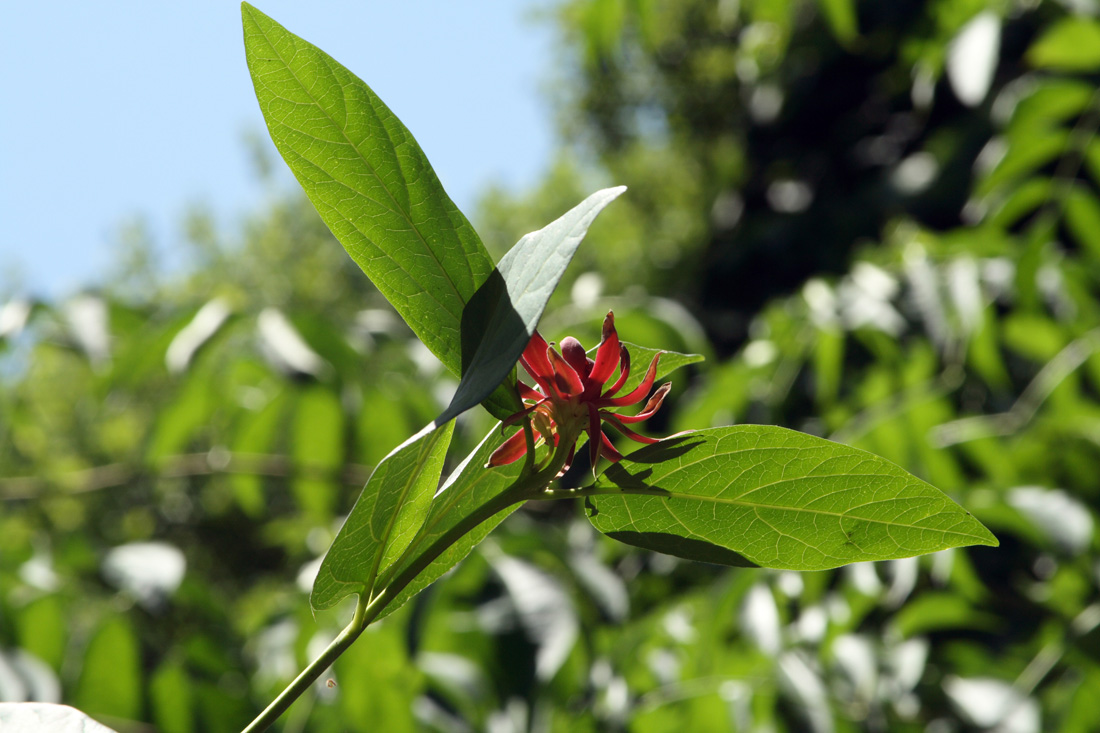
(527, 393)
(614, 422)
(639, 392)
(607, 450)
(516, 417)
(593, 431)
(624, 371)
(650, 408)
(509, 451)
(535, 361)
(568, 400)
(607, 354)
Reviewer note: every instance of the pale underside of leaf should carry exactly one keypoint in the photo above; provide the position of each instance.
(500, 321)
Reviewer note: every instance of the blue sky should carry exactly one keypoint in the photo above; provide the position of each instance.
(135, 108)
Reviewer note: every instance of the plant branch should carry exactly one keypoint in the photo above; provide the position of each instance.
(215, 461)
(525, 487)
(314, 670)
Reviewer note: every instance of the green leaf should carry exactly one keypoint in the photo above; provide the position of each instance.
(1071, 44)
(370, 182)
(110, 682)
(384, 520)
(171, 697)
(763, 495)
(255, 432)
(841, 16)
(43, 630)
(501, 318)
(317, 445)
(469, 488)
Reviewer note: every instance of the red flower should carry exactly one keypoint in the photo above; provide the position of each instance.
(570, 397)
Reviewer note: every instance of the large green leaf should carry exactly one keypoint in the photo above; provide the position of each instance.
(468, 491)
(370, 182)
(767, 496)
(385, 519)
(503, 315)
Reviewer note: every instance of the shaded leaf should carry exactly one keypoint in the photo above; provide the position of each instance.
(776, 498)
(385, 518)
(501, 318)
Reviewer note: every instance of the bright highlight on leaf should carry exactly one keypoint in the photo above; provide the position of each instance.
(767, 496)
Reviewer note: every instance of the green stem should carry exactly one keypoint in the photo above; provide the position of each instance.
(593, 490)
(527, 486)
(308, 675)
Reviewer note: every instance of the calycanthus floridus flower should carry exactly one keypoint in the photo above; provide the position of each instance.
(570, 398)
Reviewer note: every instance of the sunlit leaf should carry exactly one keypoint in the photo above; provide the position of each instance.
(255, 433)
(468, 489)
(171, 697)
(768, 496)
(1071, 44)
(385, 519)
(370, 181)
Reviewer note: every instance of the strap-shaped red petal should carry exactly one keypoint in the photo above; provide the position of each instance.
(651, 407)
(607, 450)
(624, 371)
(509, 451)
(608, 353)
(613, 422)
(527, 393)
(566, 378)
(568, 461)
(593, 432)
(639, 392)
(517, 416)
(537, 365)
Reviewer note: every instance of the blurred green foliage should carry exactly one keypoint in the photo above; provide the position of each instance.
(879, 221)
